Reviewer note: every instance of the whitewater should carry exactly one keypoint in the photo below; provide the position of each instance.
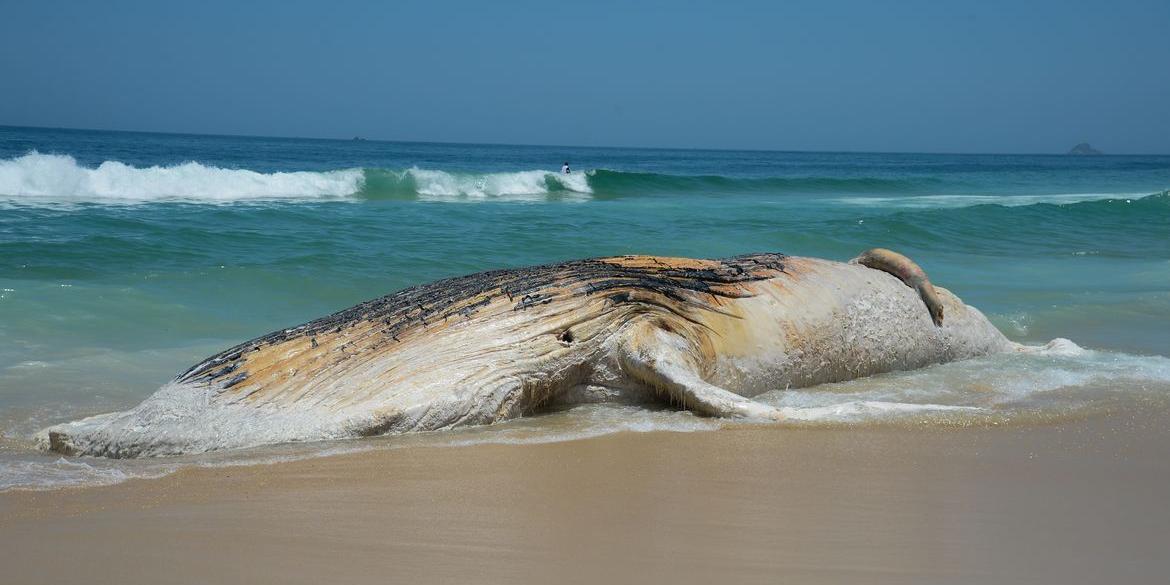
(36, 177)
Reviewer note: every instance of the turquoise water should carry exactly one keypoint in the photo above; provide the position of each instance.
(126, 257)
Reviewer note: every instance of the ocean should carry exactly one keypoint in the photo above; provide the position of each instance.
(127, 257)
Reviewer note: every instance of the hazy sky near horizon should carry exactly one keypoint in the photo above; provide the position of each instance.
(1023, 76)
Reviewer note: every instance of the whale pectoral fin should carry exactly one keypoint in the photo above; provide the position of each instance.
(661, 359)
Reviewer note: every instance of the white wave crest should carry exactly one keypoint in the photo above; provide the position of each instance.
(36, 178)
(56, 177)
(956, 201)
(522, 185)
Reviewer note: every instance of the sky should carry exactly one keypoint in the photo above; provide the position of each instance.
(844, 75)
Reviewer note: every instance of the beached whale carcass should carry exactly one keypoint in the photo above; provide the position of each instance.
(706, 335)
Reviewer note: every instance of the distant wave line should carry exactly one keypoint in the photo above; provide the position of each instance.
(36, 178)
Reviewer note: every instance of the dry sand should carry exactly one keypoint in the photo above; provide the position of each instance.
(1077, 502)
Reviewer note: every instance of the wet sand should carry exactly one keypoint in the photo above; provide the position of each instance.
(1084, 501)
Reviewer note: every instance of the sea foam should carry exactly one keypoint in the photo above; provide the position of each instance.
(441, 185)
(36, 178)
(957, 201)
(59, 177)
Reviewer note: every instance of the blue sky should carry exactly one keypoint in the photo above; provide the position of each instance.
(990, 76)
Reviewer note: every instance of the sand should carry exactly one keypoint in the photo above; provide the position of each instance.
(1082, 501)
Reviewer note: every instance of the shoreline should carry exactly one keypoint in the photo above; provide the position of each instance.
(1073, 501)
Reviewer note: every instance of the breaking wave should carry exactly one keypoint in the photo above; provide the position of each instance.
(436, 185)
(36, 178)
(39, 178)
(57, 177)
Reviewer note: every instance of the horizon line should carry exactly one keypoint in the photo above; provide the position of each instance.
(358, 138)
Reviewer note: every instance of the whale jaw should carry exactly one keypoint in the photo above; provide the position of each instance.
(180, 419)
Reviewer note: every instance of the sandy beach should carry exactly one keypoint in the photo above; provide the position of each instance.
(1080, 501)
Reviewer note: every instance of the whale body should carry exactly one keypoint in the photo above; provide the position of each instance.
(704, 335)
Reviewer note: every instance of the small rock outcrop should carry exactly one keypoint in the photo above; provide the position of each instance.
(1084, 149)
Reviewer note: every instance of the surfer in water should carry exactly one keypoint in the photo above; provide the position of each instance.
(565, 168)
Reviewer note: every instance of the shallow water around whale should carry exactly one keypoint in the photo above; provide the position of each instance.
(125, 258)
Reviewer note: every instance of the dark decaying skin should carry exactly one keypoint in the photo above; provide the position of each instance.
(461, 297)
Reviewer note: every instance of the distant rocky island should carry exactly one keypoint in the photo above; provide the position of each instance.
(1084, 149)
